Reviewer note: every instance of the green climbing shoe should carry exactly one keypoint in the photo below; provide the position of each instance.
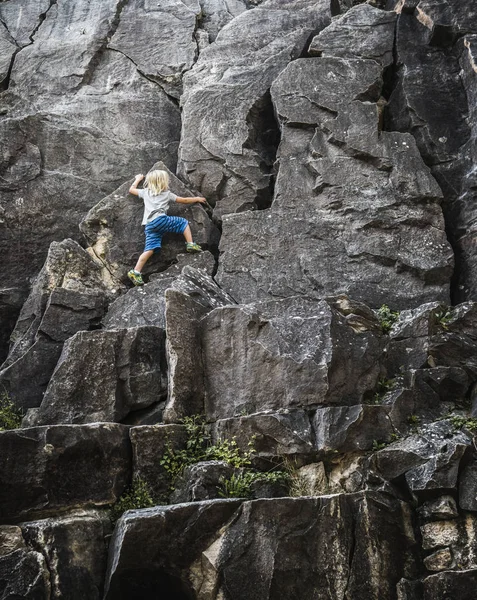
(191, 247)
(136, 278)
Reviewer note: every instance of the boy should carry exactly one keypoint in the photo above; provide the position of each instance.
(157, 197)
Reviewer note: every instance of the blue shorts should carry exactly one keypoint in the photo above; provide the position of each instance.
(161, 225)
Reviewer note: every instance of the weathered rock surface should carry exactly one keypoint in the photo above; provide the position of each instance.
(48, 469)
(24, 575)
(429, 459)
(364, 32)
(291, 353)
(146, 305)
(451, 584)
(75, 552)
(192, 296)
(274, 435)
(229, 135)
(201, 481)
(148, 553)
(104, 376)
(67, 296)
(358, 208)
(435, 61)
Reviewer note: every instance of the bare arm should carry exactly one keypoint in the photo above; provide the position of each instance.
(191, 200)
(133, 189)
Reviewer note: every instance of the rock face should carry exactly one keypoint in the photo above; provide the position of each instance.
(104, 376)
(218, 564)
(313, 356)
(36, 473)
(345, 193)
(291, 433)
(68, 296)
(228, 153)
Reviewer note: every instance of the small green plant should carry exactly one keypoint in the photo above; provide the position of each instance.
(413, 421)
(239, 485)
(383, 387)
(10, 416)
(444, 317)
(199, 447)
(469, 423)
(377, 445)
(387, 318)
(136, 496)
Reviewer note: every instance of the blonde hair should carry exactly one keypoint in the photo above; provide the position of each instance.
(157, 182)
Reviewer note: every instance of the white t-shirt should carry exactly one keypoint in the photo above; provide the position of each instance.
(155, 206)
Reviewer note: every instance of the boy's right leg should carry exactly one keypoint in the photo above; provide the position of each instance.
(142, 260)
(135, 274)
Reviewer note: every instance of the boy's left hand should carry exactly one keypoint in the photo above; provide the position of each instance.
(202, 200)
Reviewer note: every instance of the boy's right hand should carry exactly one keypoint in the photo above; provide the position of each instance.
(139, 177)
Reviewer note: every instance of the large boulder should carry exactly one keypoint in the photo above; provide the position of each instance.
(429, 459)
(191, 297)
(75, 551)
(358, 207)
(229, 134)
(146, 305)
(313, 547)
(290, 353)
(48, 469)
(67, 296)
(115, 234)
(105, 376)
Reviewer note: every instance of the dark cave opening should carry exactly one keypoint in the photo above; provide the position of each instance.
(147, 584)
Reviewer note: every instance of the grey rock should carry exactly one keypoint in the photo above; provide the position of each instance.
(115, 234)
(67, 296)
(47, 469)
(457, 535)
(201, 481)
(468, 486)
(8, 49)
(22, 18)
(104, 376)
(429, 59)
(180, 548)
(290, 353)
(75, 551)
(357, 190)
(363, 32)
(351, 428)
(274, 435)
(190, 299)
(24, 575)
(229, 134)
(451, 584)
(151, 549)
(442, 509)
(328, 526)
(215, 14)
(440, 560)
(11, 539)
(429, 459)
(175, 49)
(146, 305)
(149, 444)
